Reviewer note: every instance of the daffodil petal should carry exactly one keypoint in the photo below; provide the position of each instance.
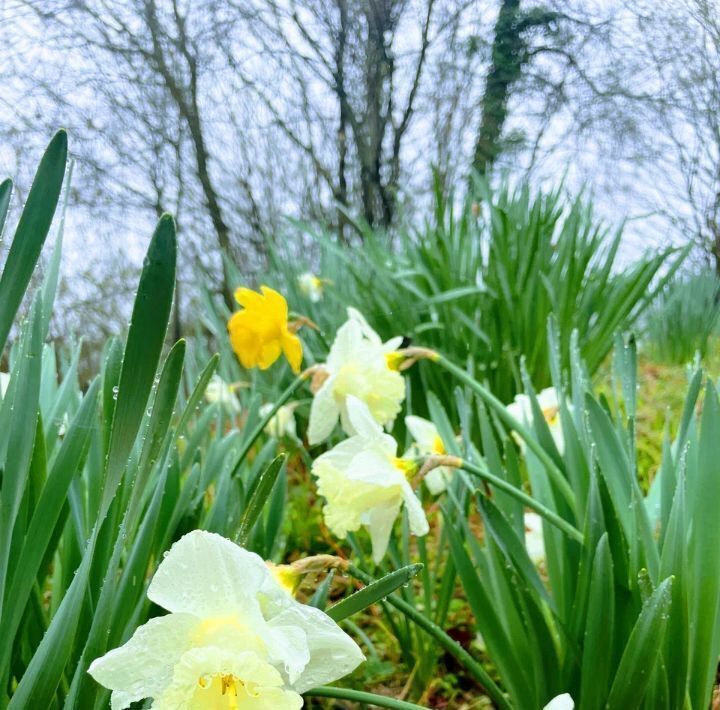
(143, 666)
(416, 513)
(561, 702)
(380, 521)
(423, 431)
(332, 653)
(276, 302)
(209, 576)
(292, 347)
(362, 421)
(324, 414)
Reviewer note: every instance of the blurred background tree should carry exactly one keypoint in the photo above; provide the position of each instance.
(235, 114)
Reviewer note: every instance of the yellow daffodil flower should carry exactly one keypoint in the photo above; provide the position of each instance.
(311, 286)
(356, 366)
(364, 483)
(521, 409)
(259, 333)
(428, 443)
(234, 638)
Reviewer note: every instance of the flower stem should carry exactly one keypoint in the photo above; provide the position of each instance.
(527, 500)
(554, 472)
(360, 696)
(443, 640)
(260, 426)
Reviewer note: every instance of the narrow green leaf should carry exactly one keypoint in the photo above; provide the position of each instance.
(374, 592)
(31, 231)
(258, 498)
(642, 651)
(146, 337)
(5, 194)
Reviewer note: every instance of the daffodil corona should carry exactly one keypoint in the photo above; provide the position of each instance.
(358, 365)
(364, 483)
(259, 333)
(234, 638)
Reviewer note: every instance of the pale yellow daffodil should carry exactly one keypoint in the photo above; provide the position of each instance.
(259, 333)
(311, 286)
(283, 423)
(364, 483)
(358, 366)
(220, 391)
(234, 637)
(521, 409)
(428, 443)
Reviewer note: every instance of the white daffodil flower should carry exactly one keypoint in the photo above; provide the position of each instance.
(521, 409)
(282, 424)
(534, 540)
(218, 390)
(311, 286)
(428, 443)
(4, 383)
(234, 637)
(357, 365)
(561, 702)
(364, 483)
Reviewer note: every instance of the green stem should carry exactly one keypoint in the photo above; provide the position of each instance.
(443, 640)
(360, 696)
(527, 500)
(264, 421)
(494, 403)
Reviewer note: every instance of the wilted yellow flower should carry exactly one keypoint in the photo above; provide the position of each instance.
(364, 483)
(234, 637)
(259, 333)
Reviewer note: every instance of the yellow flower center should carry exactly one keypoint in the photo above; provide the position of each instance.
(286, 576)
(438, 447)
(409, 468)
(224, 690)
(551, 414)
(394, 360)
